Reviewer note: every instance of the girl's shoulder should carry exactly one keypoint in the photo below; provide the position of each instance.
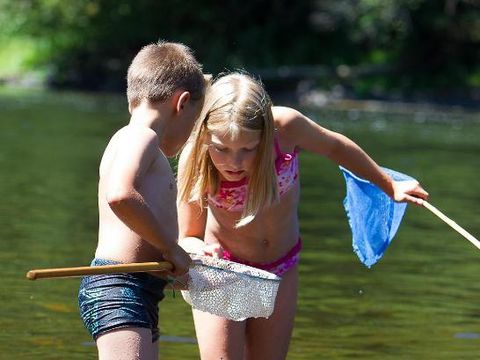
(283, 115)
(286, 122)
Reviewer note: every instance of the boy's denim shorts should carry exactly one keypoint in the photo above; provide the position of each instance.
(114, 301)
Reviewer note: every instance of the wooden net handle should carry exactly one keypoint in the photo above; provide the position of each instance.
(452, 224)
(97, 270)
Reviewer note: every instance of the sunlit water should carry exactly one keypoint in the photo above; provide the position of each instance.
(421, 301)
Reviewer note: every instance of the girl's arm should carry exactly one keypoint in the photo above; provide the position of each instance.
(192, 220)
(191, 226)
(308, 135)
(191, 217)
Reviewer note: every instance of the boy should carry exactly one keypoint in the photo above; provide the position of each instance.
(136, 200)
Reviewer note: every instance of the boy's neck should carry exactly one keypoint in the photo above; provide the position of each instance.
(150, 115)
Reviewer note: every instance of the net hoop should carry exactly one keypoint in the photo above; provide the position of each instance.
(231, 290)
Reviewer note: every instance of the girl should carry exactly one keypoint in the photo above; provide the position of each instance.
(239, 193)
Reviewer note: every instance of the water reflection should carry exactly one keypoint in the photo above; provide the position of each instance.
(419, 302)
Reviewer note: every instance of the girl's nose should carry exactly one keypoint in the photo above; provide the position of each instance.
(237, 160)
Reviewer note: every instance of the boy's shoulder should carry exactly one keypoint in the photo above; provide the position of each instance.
(129, 140)
(136, 133)
(133, 142)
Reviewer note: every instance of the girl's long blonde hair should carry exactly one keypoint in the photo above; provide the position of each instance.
(233, 103)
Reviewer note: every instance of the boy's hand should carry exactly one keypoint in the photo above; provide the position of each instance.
(409, 191)
(179, 259)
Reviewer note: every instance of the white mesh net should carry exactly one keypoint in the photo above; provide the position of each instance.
(231, 290)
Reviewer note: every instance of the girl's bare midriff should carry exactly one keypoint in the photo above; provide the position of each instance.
(266, 238)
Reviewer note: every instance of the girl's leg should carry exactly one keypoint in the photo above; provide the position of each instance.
(127, 344)
(270, 338)
(219, 338)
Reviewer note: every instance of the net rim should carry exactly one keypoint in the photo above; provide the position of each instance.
(233, 267)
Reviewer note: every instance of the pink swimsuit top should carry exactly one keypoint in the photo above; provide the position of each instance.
(232, 194)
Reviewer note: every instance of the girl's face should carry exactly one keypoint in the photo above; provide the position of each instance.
(234, 158)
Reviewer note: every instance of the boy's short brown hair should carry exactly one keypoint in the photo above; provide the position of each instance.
(158, 70)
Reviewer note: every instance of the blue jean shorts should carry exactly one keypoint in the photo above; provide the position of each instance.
(114, 301)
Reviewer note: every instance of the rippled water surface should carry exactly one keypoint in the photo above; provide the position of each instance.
(421, 301)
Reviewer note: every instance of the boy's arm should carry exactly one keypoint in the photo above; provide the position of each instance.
(310, 136)
(136, 151)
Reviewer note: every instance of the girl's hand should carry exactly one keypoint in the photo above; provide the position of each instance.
(409, 191)
(213, 250)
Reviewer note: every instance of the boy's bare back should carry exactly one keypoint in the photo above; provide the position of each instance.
(134, 150)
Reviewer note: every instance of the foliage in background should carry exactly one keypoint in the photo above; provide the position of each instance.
(89, 43)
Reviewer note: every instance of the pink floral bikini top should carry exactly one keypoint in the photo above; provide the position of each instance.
(232, 194)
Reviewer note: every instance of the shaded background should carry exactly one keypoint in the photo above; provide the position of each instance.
(412, 50)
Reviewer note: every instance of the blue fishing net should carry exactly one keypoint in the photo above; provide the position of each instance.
(373, 216)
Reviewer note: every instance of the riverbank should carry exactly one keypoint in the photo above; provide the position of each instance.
(290, 89)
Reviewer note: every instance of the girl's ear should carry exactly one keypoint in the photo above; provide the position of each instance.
(182, 101)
